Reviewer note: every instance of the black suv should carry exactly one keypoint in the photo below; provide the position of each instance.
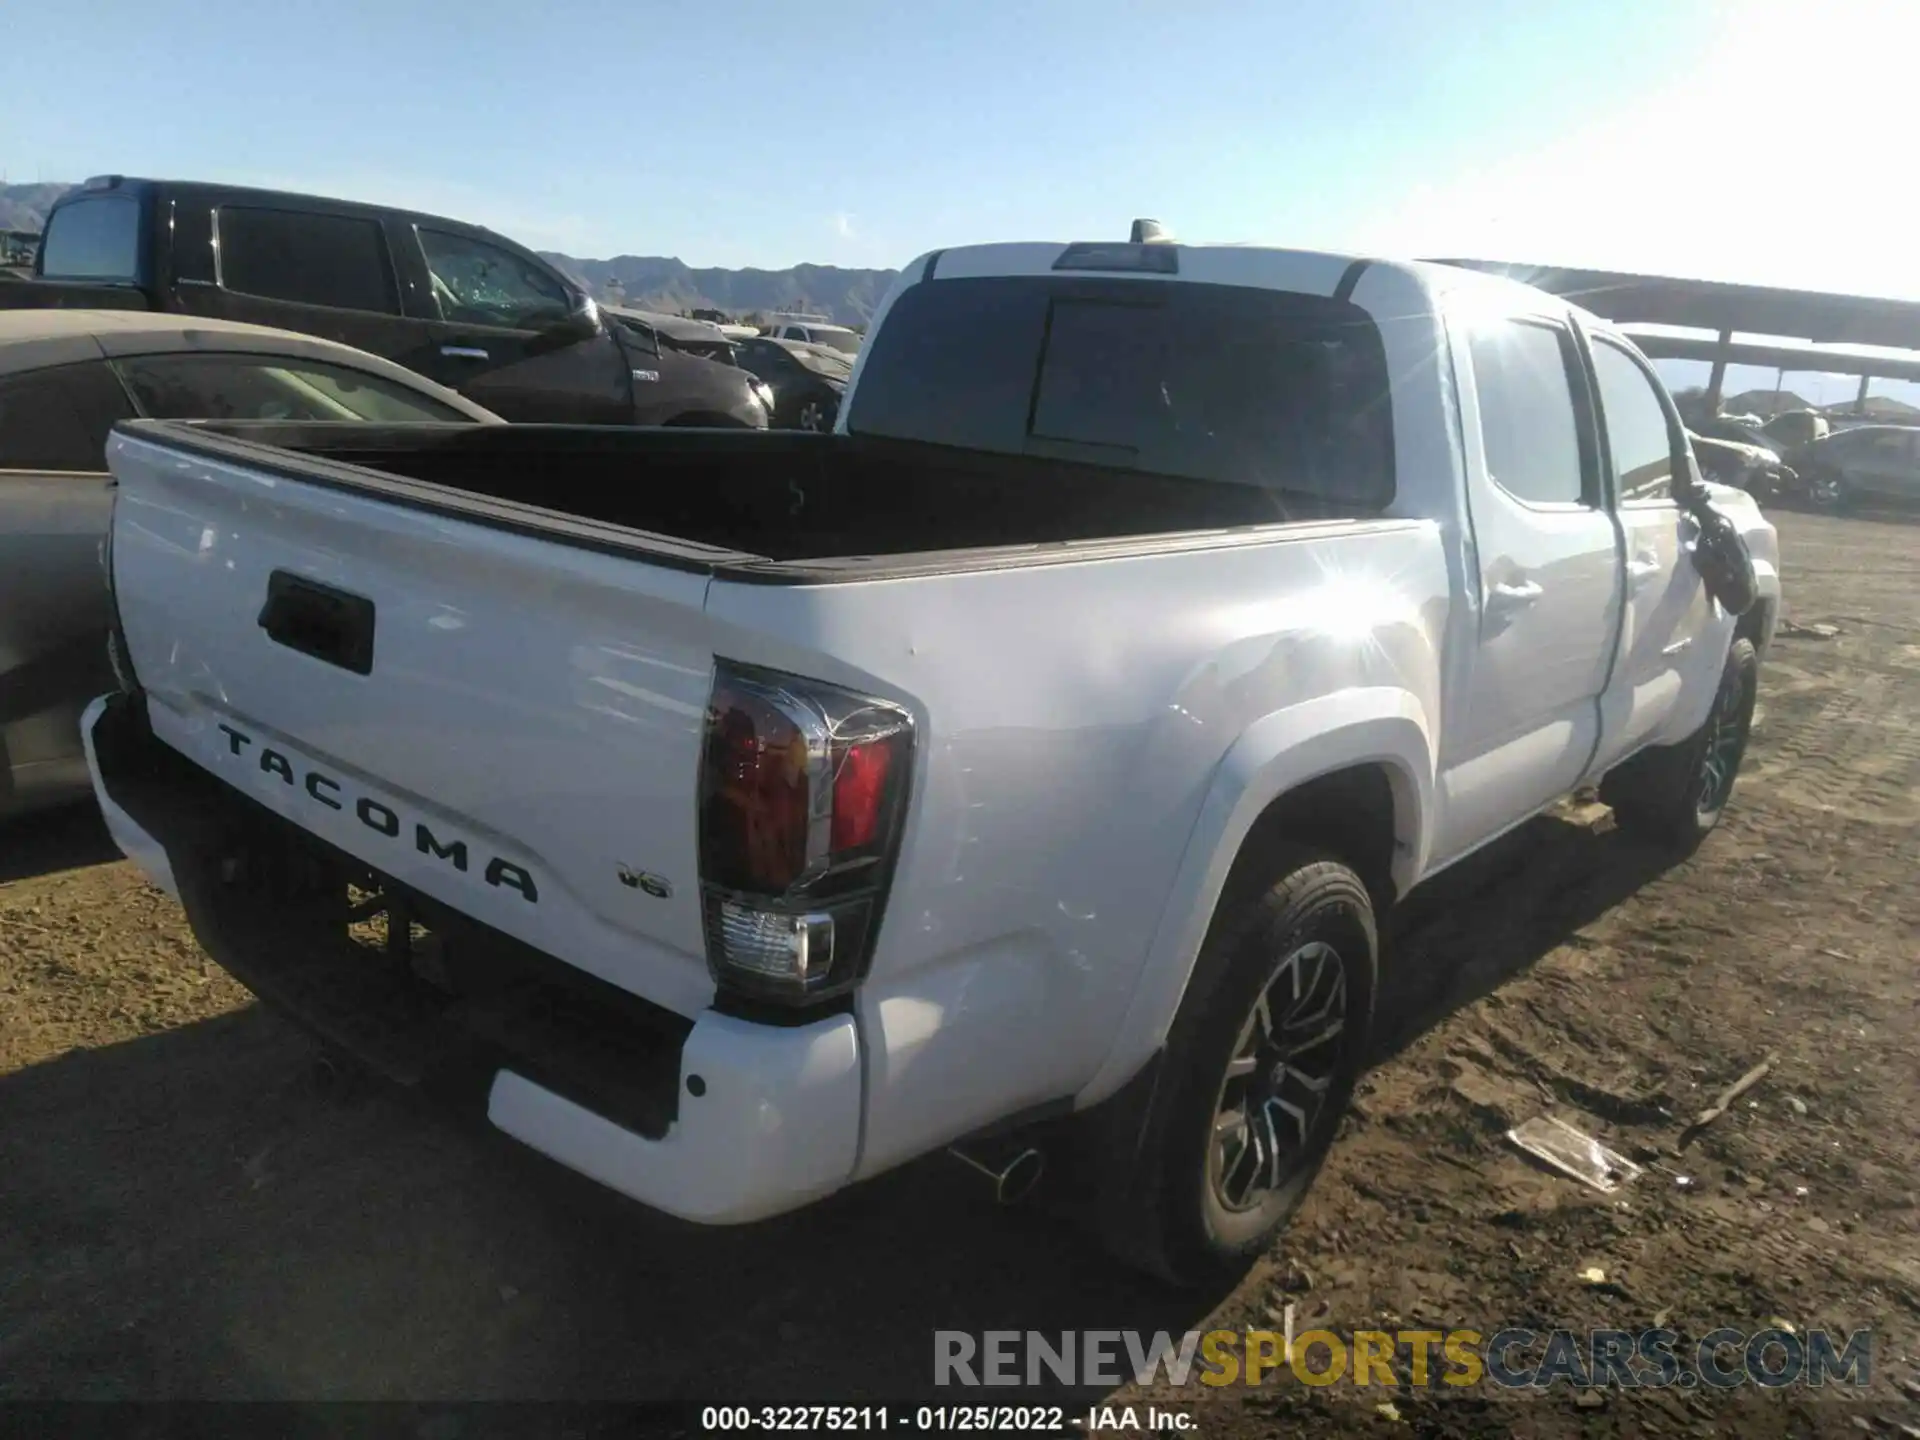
(454, 302)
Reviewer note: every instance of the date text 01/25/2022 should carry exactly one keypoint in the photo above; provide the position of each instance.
(932, 1419)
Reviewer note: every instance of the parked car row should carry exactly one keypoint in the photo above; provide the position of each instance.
(1799, 458)
(1863, 465)
(166, 300)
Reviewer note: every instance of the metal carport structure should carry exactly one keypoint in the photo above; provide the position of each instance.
(1812, 316)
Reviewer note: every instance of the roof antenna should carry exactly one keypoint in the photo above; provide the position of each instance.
(1151, 232)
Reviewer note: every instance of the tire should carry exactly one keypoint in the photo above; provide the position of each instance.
(1825, 490)
(1202, 1204)
(1673, 795)
(815, 413)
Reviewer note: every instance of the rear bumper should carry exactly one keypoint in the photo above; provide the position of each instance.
(719, 1121)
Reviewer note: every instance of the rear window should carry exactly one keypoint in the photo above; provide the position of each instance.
(1262, 388)
(339, 261)
(93, 239)
(271, 387)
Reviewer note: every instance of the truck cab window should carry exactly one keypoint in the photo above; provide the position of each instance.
(1527, 422)
(59, 419)
(309, 258)
(1273, 391)
(480, 284)
(1636, 421)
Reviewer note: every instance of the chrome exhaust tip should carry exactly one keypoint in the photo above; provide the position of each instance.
(1014, 1175)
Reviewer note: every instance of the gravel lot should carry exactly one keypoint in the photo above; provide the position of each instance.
(184, 1213)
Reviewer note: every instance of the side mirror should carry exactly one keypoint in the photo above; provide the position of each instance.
(581, 324)
(584, 323)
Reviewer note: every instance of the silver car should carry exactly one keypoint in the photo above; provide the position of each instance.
(1865, 465)
(65, 377)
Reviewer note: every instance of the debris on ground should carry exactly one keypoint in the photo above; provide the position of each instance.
(1727, 1096)
(1819, 630)
(1574, 1152)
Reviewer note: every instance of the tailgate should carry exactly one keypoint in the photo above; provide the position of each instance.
(509, 725)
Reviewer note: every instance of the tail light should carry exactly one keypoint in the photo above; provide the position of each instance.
(802, 790)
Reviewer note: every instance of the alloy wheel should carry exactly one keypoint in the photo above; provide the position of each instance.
(1278, 1079)
(1726, 742)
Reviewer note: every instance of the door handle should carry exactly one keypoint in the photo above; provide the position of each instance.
(1505, 597)
(463, 352)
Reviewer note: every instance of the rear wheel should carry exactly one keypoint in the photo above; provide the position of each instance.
(1675, 794)
(1261, 1063)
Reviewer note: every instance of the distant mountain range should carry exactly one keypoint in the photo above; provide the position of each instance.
(646, 282)
(24, 207)
(654, 282)
(1767, 402)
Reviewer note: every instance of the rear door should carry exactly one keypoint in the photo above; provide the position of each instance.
(491, 339)
(1550, 603)
(54, 500)
(317, 272)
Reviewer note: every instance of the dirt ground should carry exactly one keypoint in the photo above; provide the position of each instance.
(184, 1213)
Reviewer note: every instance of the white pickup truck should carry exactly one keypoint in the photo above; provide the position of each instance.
(734, 817)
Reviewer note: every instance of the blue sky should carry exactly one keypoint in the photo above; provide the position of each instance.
(767, 132)
(838, 131)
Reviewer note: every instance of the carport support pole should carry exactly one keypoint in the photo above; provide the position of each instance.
(1718, 379)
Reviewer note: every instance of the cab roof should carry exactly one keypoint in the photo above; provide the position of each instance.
(1254, 266)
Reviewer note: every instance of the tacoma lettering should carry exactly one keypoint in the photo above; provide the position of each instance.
(425, 843)
(382, 819)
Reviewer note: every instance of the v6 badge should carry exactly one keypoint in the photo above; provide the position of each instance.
(658, 886)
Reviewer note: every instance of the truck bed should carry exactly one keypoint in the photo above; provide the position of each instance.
(742, 500)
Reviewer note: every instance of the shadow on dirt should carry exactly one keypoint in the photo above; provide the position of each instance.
(1493, 915)
(63, 839)
(188, 1215)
